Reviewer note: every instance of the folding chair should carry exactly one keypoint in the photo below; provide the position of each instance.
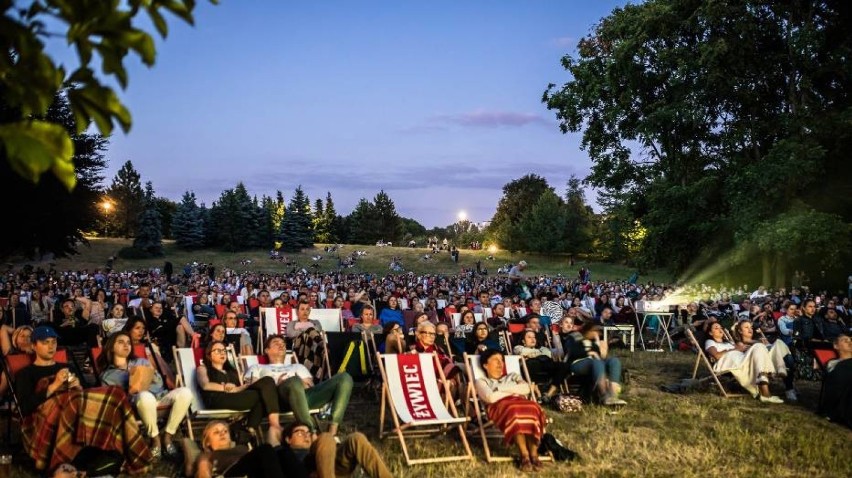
(822, 356)
(186, 361)
(273, 321)
(245, 362)
(702, 358)
(486, 429)
(410, 390)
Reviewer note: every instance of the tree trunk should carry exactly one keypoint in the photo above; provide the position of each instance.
(780, 271)
(767, 271)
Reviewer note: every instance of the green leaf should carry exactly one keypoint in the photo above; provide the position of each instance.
(34, 147)
(159, 21)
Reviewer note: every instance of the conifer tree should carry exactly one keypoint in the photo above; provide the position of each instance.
(188, 223)
(149, 234)
(296, 232)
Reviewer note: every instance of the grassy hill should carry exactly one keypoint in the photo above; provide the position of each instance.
(377, 259)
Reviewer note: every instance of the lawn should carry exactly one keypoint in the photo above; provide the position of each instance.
(376, 260)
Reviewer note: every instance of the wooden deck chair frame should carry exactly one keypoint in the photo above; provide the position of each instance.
(404, 422)
(487, 430)
(702, 357)
(186, 366)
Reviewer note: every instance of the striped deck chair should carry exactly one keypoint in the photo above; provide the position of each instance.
(486, 429)
(186, 362)
(702, 358)
(410, 390)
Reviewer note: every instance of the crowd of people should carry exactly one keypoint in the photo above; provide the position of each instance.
(555, 323)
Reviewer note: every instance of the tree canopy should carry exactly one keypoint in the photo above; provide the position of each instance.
(714, 124)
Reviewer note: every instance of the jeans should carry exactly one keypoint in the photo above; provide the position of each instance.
(598, 369)
(336, 390)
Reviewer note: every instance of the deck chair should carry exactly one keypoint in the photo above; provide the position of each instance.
(486, 429)
(702, 358)
(273, 322)
(410, 391)
(245, 362)
(186, 362)
(823, 356)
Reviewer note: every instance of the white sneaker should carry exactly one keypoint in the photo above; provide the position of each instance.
(612, 400)
(771, 399)
(792, 396)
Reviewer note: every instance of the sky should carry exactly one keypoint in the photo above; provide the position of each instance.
(438, 102)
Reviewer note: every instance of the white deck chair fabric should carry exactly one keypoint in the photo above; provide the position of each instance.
(328, 318)
(414, 393)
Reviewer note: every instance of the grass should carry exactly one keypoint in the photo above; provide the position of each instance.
(96, 253)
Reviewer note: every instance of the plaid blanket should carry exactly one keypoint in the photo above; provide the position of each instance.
(517, 415)
(310, 348)
(97, 417)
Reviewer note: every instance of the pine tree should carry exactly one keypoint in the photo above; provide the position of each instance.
(128, 199)
(295, 232)
(321, 225)
(363, 223)
(389, 224)
(543, 227)
(149, 233)
(188, 223)
(332, 220)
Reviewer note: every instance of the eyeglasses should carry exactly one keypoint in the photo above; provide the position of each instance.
(301, 432)
(431, 334)
(217, 350)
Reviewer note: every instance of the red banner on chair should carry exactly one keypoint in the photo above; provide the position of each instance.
(283, 316)
(414, 388)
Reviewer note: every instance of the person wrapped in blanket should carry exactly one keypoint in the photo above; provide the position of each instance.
(588, 355)
(53, 431)
(750, 365)
(307, 340)
(521, 420)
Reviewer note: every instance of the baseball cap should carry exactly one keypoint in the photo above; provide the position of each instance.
(44, 333)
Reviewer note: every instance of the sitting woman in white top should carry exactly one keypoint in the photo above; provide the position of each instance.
(744, 334)
(118, 364)
(750, 365)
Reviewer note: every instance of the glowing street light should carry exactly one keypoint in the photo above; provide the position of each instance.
(107, 206)
(462, 216)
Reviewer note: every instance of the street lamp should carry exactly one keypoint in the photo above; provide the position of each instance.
(107, 206)
(462, 215)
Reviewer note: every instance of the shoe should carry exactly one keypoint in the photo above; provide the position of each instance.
(537, 464)
(792, 396)
(172, 450)
(526, 466)
(771, 399)
(156, 453)
(612, 401)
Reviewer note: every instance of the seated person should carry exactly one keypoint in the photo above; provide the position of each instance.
(830, 325)
(165, 329)
(787, 324)
(392, 313)
(72, 323)
(220, 388)
(533, 322)
(117, 363)
(322, 456)
(368, 322)
(750, 365)
(53, 430)
(115, 320)
(296, 388)
(16, 341)
(466, 323)
(394, 339)
(836, 401)
(240, 336)
(521, 420)
(587, 354)
(425, 343)
(221, 457)
(779, 353)
(137, 330)
(308, 342)
(540, 364)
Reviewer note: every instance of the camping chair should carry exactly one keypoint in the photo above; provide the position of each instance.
(822, 356)
(486, 429)
(186, 362)
(12, 364)
(703, 358)
(410, 390)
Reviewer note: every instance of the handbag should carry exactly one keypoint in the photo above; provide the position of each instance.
(141, 377)
(568, 403)
(549, 444)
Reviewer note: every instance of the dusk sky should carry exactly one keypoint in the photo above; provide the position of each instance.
(438, 103)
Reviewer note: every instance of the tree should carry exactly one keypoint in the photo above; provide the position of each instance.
(578, 219)
(543, 227)
(332, 220)
(30, 79)
(233, 220)
(518, 197)
(363, 223)
(388, 223)
(295, 233)
(321, 226)
(128, 200)
(188, 223)
(708, 118)
(166, 208)
(52, 219)
(149, 235)
(411, 228)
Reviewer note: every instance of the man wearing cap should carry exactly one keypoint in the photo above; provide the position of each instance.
(54, 403)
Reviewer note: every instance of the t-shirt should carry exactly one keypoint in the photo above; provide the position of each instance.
(278, 371)
(32, 383)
